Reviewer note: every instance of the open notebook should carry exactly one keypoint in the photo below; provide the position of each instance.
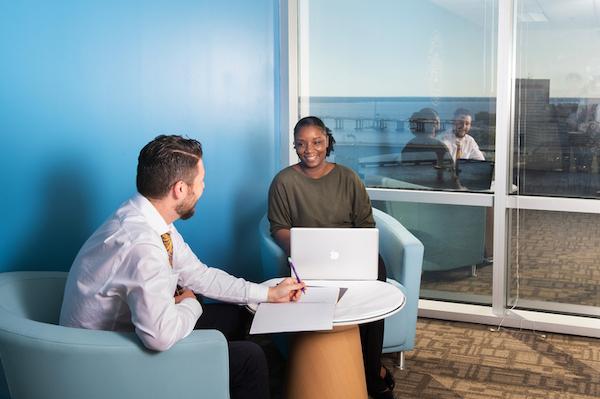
(313, 312)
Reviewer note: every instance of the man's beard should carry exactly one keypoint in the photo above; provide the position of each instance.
(185, 212)
(460, 133)
(188, 214)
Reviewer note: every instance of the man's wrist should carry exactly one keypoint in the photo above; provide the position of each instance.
(258, 293)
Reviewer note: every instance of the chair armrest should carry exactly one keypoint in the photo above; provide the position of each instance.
(102, 364)
(402, 252)
(403, 256)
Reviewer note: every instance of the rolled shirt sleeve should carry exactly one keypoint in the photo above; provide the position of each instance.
(212, 282)
(278, 206)
(362, 210)
(158, 320)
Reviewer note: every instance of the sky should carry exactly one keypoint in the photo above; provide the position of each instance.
(440, 48)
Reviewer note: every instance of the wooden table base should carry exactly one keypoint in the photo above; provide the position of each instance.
(327, 364)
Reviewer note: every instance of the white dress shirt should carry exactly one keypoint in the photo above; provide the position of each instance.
(468, 146)
(121, 280)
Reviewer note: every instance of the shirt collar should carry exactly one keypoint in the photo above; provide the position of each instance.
(154, 219)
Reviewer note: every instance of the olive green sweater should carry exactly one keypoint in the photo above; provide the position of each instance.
(338, 199)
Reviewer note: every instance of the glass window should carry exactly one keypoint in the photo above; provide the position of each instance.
(457, 263)
(557, 97)
(555, 260)
(406, 86)
(554, 255)
(409, 90)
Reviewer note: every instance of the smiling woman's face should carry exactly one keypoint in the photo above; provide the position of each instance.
(311, 146)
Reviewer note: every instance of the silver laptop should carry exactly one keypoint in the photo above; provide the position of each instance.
(335, 253)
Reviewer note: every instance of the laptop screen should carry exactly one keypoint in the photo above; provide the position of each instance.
(474, 174)
(335, 253)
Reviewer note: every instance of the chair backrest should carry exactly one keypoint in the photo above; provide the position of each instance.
(35, 296)
(31, 297)
(273, 259)
(402, 253)
(41, 359)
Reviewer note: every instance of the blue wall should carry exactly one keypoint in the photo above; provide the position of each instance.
(84, 85)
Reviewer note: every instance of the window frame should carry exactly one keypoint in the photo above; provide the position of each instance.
(293, 13)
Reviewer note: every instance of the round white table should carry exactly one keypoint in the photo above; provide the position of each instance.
(329, 364)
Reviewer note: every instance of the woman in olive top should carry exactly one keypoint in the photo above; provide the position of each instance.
(318, 193)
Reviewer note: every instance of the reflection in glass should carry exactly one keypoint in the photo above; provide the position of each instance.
(424, 162)
(556, 257)
(557, 92)
(366, 83)
(457, 239)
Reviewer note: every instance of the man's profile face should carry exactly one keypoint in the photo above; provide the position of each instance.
(187, 207)
(462, 125)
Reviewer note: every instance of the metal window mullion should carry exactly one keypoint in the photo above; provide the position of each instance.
(554, 204)
(504, 84)
(431, 197)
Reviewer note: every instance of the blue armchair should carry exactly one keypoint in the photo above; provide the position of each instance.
(44, 360)
(403, 257)
(454, 236)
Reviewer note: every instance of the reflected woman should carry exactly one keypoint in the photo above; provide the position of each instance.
(318, 193)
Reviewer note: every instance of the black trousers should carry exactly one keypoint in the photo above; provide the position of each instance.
(248, 371)
(371, 339)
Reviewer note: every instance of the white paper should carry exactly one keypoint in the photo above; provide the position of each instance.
(313, 312)
(320, 295)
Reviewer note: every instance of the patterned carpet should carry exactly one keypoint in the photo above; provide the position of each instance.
(454, 360)
(559, 261)
(459, 360)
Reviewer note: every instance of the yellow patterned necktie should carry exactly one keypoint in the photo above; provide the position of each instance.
(166, 239)
(168, 243)
(458, 151)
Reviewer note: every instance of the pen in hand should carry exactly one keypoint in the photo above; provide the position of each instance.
(295, 272)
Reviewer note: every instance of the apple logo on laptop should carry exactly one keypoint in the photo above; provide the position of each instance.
(334, 255)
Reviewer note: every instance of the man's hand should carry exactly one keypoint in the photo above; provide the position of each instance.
(287, 290)
(183, 295)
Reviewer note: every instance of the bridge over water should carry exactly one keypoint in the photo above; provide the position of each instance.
(360, 123)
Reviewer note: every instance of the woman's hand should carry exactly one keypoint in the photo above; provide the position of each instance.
(286, 291)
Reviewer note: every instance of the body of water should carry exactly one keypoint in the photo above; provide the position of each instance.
(371, 126)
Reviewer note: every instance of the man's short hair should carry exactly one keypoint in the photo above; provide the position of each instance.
(424, 116)
(164, 161)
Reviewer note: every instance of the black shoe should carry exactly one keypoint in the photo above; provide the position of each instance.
(379, 389)
(389, 379)
(385, 394)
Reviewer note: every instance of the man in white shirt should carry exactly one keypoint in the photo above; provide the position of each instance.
(137, 273)
(459, 141)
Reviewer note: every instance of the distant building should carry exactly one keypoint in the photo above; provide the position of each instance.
(537, 138)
